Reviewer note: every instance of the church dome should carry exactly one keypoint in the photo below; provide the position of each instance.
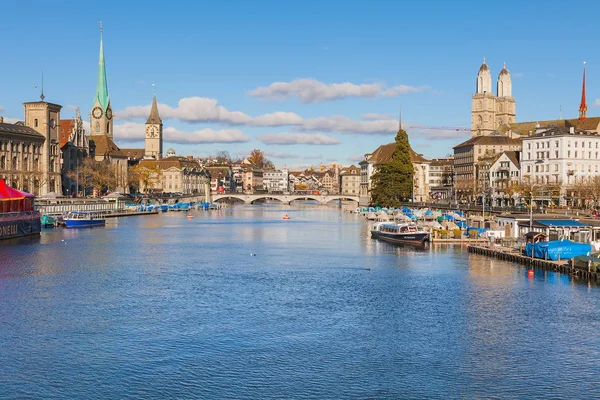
(484, 80)
(503, 71)
(170, 153)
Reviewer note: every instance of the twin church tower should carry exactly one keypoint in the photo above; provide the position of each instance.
(101, 115)
(488, 111)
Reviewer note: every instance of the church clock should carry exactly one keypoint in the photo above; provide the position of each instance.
(97, 112)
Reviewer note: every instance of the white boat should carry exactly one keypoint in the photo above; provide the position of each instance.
(84, 219)
(394, 232)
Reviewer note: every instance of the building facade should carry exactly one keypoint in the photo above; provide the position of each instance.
(173, 175)
(560, 157)
(441, 178)
(350, 180)
(467, 157)
(489, 112)
(504, 175)
(276, 181)
(74, 148)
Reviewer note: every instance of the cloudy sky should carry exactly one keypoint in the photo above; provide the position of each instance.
(305, 81)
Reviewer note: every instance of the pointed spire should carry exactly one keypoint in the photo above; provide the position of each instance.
(102, 86)
(400, 120)
(154, 117)
(583, 105)
(42, 95)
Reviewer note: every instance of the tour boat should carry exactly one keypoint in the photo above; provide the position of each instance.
(286, 216)
(395, 232)
(48, 221)
(84, 219)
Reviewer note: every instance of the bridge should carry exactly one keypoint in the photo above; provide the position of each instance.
(283, 198)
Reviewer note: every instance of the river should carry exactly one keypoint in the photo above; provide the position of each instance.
(163, 306)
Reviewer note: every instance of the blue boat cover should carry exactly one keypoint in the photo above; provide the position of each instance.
(554, 249)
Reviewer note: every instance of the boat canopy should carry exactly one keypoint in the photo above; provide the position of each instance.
(13, 200)
(557, 249)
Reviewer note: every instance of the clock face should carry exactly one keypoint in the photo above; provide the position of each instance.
(109, 114)
(97, 112)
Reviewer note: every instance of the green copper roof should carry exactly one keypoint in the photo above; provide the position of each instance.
(102, 86)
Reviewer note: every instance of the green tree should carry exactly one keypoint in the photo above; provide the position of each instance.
(393, 181)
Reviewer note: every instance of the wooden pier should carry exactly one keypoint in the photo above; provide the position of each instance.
(506, 254)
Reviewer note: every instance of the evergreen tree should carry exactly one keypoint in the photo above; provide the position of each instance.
(393, 181)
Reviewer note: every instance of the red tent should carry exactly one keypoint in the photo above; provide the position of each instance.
(12, 200)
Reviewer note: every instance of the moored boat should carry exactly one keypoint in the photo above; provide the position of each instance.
(48, 221)
(17, 216)
(84, 219)
(395, 232)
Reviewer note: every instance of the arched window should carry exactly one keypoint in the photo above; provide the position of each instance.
(2, 162)
(107, 127)
(14, 163)
(479, 120)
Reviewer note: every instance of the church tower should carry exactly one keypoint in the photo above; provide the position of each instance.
(483, 104)
(154, 133)
(583, 105)
(101, 122)
(505, 103)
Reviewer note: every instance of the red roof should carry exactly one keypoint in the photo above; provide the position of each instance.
(66, 127)
(8, 193)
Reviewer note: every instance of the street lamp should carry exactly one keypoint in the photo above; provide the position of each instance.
(530, 210)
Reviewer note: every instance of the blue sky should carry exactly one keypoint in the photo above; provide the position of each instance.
(214, 64)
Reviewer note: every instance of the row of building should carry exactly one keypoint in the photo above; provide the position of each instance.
(504, 162)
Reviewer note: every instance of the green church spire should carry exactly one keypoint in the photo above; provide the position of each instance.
(102, 86)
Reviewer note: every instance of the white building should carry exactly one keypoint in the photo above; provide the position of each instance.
(275, 181)
(504, 173)
(561, 157)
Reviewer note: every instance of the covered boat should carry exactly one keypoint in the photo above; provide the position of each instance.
(557, 249)
(17, 216)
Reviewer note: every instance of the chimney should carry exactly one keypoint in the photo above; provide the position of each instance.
(538, 128)
(572, 130)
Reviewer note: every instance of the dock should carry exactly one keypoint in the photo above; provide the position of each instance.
(129, 214)
(511, 255)
(464, 241)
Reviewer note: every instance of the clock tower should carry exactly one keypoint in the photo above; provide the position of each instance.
(101, 116)
(154, 133)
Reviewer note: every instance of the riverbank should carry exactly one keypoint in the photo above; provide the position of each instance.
(512, 255)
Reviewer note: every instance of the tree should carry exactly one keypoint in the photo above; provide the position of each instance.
(393, 180)
(256, 158)
(143, 177)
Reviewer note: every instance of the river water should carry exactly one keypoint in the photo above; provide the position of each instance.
(163, 306)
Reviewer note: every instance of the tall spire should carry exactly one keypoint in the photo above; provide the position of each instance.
(42, 95)
(400, 120)
(154, 117)
(583, 105)
(102, 86)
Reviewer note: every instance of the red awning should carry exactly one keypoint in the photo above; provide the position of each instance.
(8, 193)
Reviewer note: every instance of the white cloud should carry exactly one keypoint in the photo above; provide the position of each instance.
(205, 136)
(339, 123)
(356, 157)
(313, 157)
(518, 74)
(279, 154)
(190, 109)
(131, 132)
(375, 116)
(199, 109)
(596, 103)
(1, 108)
(313, 91)
(402, 89)
(310, 90)
(71, 107)
(297, 138)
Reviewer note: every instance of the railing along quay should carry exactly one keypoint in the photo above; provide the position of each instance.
(561, 266)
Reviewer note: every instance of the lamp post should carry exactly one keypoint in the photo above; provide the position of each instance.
(530, 210)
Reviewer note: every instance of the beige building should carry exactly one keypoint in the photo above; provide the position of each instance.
(489, 112)
(350, 181)
(30, 152)
(173, 175)
(252, 179)
(467, 157)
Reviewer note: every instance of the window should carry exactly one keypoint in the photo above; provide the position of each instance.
(529, 146)
(556, 143)
(555, 167)
(569, 153)
(35, 123)
(576, 143)
(575, 154)
(569, 143)
(556, 153)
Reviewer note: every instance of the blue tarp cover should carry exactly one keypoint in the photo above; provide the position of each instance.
(557, 248)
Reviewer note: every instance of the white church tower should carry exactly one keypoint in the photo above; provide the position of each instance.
(154, 133)
(505, 103)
